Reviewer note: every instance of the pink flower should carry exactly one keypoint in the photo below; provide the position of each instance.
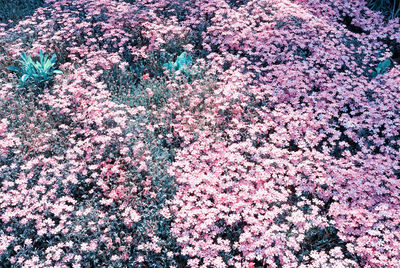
(93, 246)
(84, 246)
(146, 76)
(149, 92)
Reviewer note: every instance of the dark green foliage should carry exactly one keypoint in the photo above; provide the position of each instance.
(231, 233)
(142, 85)
(129, 88)
(389, 8)
(323, 240)
(16, 10)
(237, 3)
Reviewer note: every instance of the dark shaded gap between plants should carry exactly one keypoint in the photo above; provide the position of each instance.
(324, 240)
(347, 22)
(394, 47)
(388, 8)
(237, 3)
(16, 10)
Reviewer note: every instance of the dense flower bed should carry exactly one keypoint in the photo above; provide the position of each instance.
(278, 147)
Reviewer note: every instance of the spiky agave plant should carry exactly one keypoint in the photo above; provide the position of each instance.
(182, 63)
(38, 72)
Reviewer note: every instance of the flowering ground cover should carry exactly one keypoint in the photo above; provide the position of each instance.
(203, 133)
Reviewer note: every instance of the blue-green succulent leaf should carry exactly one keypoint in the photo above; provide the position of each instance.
(24, 78)
(14, 69)
(41, 55)
(382, 66)
(385, 64)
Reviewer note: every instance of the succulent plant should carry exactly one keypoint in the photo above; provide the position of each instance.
(182, 63)
(38, 71)
(382, 66)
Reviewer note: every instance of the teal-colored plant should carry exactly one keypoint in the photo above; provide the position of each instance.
(382, 66)
(38, 72)
(389, 8)
(182, 64)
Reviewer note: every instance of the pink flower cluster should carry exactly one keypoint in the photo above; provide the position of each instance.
(297, 112)
(284, 147)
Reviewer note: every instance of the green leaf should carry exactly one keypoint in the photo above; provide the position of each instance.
(24, 78)
(44, 62)
(53, 58)
(41, 56)
(46, 67)
(29, 71)
(14, 69)
(386, 64)
(183, 62)
(29, 60)
(183, 55)
(177, 65)
(189, 61)
(57, 72)
(382, 66)
(38, 66)
(170, 66)
(23, 57)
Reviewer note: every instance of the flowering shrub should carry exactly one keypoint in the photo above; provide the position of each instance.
(279, 149)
